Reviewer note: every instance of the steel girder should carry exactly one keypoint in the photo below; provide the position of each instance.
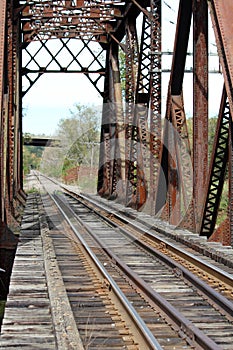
(200, 109)
(64, 56)
(176, 169)
(217, 169)
(2, 103)
(12, 196)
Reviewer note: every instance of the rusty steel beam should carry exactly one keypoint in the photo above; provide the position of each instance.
(139, 152)
(176, 149)
(131, 62)
(114, 109)
(221, 13)
(2, 104)
(2, 47)
(223, 232)
(183, 204)
(180, 46)
(30, 74)
(111, 152)
(155, 100)
(217, 170)
(103, 186)
(11, 108)
(200, 104)
(118, 188)
(82, 19)
(112, 169)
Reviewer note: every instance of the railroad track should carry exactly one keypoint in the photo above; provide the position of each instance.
(173, 307)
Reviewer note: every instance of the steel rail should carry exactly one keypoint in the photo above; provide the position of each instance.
(185, 326)
(207, 267)
(195, 336)
(214, 296)
(141, 326)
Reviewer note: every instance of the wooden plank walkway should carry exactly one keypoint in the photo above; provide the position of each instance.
(28, 322)
(38, 314)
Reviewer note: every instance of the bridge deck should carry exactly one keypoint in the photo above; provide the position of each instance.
(37, 314)
(37, 306)
(28, 321)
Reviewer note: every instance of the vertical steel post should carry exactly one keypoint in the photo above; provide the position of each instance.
(131, 62)
(137, 185)
(200, 104)
(11, 111)
(112, 148)
(104, 161)
(118, 139)
(2, 80)
(155, 99)
(175, 170)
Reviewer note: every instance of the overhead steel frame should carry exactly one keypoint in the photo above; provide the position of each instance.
(139, 164)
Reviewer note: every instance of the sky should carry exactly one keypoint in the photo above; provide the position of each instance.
(52, 97)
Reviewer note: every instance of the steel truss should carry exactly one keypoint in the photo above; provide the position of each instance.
(217, 168)
(147, 161)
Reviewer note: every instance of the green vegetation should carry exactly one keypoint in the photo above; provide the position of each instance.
(32, 156)
(79, 137)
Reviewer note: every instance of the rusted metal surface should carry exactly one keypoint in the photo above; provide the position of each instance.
(175, 159)
(155, 103)
(80, 19)
(221, 15)
(104, 180)
(131, 61)
(217, 169)
(117, 141)
(2, 105)
(54, 62)
(200, 108)
(11, 105)
(139, 164)
(2, 52)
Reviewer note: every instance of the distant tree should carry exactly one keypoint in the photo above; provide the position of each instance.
(78, 134)
(32, 155)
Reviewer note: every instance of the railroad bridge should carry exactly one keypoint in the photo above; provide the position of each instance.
(143, 163)
(147, 160)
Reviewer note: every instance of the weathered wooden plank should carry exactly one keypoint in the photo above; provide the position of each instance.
(28, 322)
